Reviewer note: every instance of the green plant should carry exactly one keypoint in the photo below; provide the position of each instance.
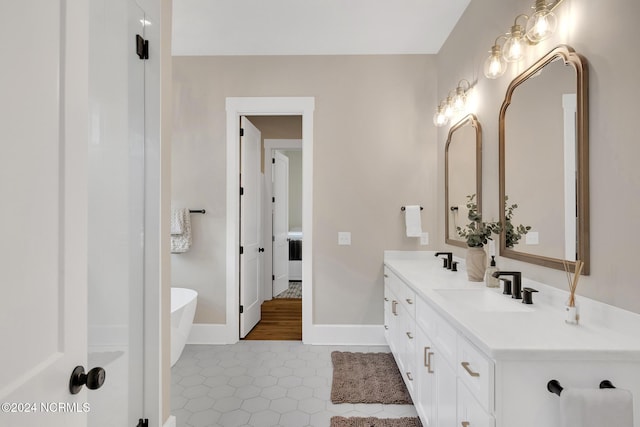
(477, 232)
(512, 233)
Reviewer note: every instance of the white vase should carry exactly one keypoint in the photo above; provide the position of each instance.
(476, 263)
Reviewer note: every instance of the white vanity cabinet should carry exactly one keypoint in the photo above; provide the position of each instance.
(471, 367)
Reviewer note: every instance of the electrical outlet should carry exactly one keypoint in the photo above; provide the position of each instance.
(344, 238)
(424, 238)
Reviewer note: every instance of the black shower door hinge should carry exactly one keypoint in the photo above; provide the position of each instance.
(273, 277)
(242, 191)
(241, 250)
(142, 47)
(241, 309)
(273, 160)
(273, 200)
(143, 422)
(241, 132)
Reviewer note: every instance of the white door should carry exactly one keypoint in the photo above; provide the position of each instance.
(250, 233)
(43, 176)
(280, 239)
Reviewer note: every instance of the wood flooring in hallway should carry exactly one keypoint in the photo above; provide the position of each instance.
(281, 320)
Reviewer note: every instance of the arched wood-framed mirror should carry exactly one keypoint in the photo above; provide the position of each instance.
(462, 175)
(544, 161)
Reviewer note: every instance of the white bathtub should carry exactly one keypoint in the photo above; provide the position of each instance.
(183, 308)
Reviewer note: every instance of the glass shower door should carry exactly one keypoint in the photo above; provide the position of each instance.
(116, 211)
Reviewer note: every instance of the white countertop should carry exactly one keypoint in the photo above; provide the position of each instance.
(604, 333)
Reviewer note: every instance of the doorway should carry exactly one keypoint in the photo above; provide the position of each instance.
(237, 107)
(279, 278)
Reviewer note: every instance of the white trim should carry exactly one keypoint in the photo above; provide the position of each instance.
(316, 334)
(282, 106)
(269, 145)
(171, 421)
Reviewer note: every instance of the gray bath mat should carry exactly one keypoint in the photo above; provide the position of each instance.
(375, 422)
(367, 378)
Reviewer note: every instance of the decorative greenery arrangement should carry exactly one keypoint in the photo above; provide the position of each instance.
(512, 233)
(477, 232)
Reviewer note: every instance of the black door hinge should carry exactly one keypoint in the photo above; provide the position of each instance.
(273, 160)
(273, 238)
(142, 47)
(273, 277)
(242, 191)
(241, 309)
(143, 422)
(241, 250)
(273, 200)
(241, 132)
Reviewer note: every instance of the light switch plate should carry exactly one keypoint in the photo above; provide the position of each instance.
(424, 238)
(531, 238)
(344, 238)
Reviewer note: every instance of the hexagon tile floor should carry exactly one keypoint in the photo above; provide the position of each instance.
(263, 383)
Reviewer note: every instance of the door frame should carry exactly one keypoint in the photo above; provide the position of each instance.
(269, 146)
(266, 106)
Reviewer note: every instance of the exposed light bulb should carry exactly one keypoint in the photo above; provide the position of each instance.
(439, 119)
(460, 100)
(542, 23)
(495, 65)
(513, 49)
(448, 108)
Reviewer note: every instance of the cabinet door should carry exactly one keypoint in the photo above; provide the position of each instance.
(445, 390)
(470, 412)
(425, 379)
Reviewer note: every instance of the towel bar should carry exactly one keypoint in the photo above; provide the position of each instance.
(403, 208)
(554, 386)
(202, 211)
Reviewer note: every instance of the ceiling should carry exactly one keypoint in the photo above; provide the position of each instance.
(312, 27)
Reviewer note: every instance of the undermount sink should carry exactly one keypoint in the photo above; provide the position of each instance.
(483, 300)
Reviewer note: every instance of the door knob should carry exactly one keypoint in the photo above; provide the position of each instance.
(92, 379)
(260, 249)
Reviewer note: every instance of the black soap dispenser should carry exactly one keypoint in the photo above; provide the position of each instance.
(489, 280)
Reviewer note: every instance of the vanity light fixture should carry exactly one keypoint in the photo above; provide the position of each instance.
(543, 22)
(539, 26)
(457, 102)
(460, 98)
(495, 65)
(514, 46)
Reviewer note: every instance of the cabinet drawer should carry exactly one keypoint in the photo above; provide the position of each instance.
(406, 296)
(477, 372)
(446, 339)
(470, 412)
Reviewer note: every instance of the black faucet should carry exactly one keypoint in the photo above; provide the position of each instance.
(516, 291)
(448, 261)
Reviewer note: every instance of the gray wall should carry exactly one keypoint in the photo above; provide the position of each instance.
(374, 151)
(606, 34)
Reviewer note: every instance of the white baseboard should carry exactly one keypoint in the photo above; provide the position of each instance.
(171, 422)
(346, 335)
(202, 333)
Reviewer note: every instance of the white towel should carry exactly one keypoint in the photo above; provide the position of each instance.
(586, 407)
(177, 221)
(181, 243)
(413, 221)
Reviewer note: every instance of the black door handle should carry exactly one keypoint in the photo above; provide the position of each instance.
(261, 250)
(92, 379)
